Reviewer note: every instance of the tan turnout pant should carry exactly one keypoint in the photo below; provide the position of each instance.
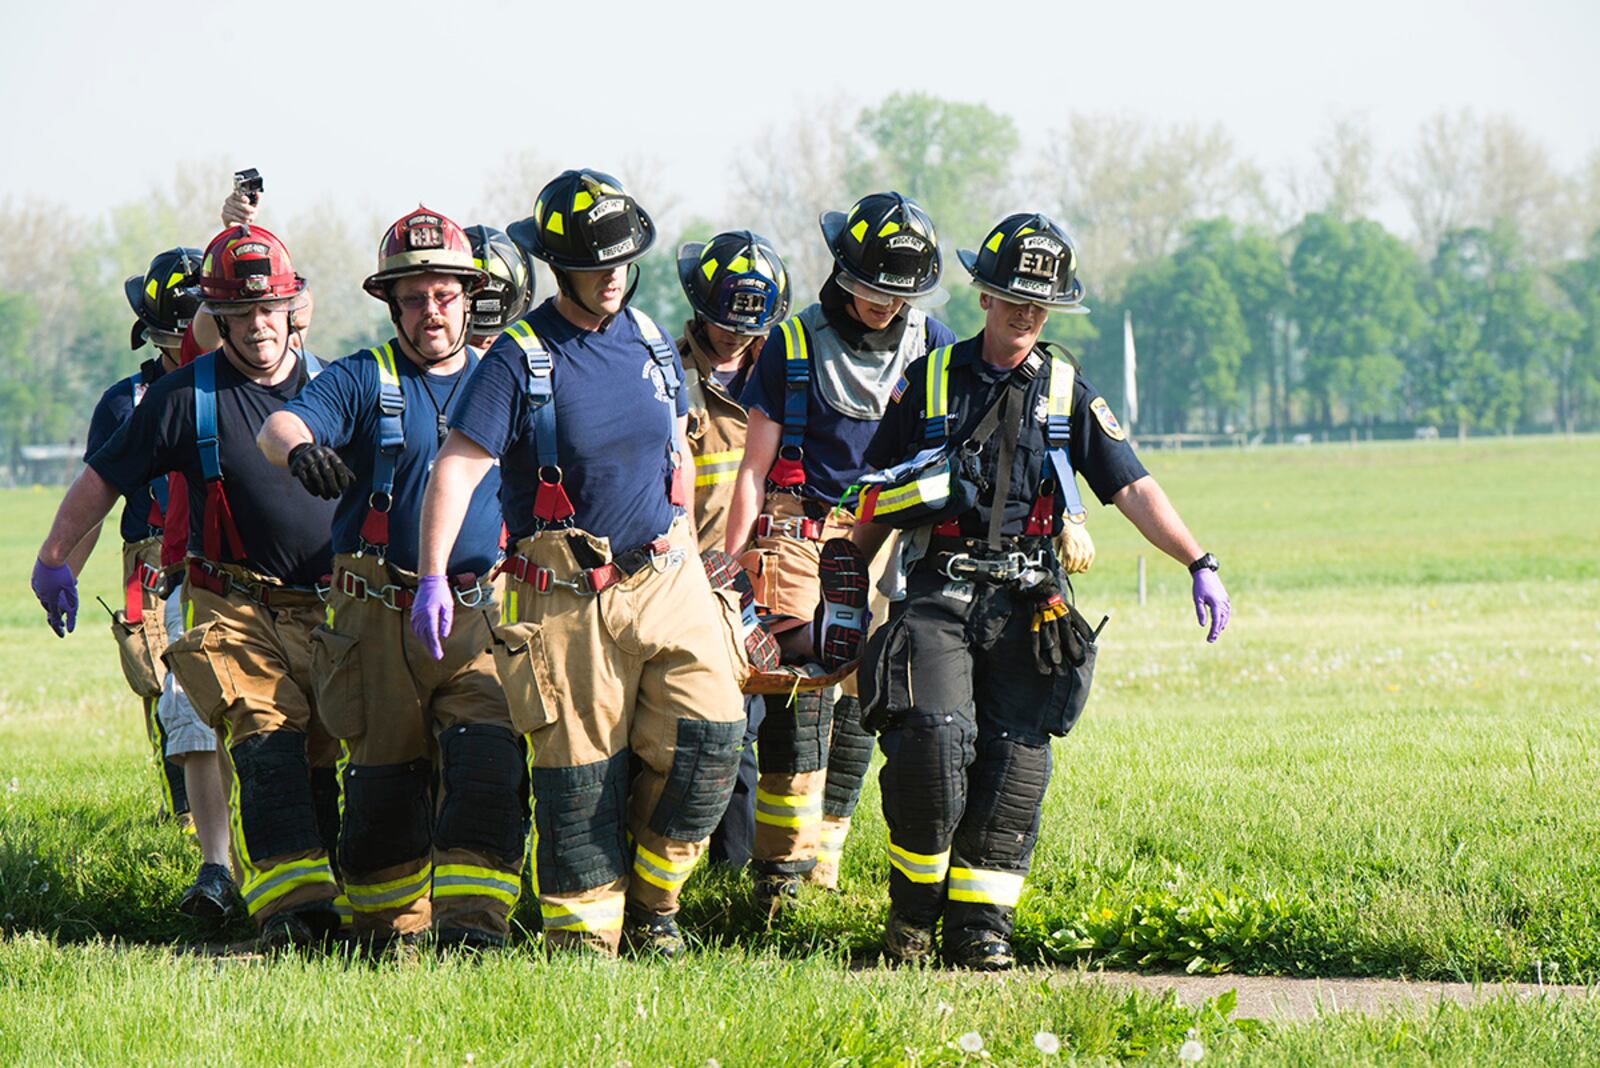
(631, 702)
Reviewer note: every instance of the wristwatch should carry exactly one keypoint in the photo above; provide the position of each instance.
(1206, 561)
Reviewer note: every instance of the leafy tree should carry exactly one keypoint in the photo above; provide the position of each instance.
(1193, 341)
(1355, 312)
(1576, 362)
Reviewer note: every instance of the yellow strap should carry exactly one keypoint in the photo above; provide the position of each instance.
(1062, 375)
(387, 371)
(938, 383)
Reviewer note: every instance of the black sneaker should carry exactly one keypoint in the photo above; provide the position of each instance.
(905, 942)
(650, 934)
(985, 951)
(466, 940)
(212, 895)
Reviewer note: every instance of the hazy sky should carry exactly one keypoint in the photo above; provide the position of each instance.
(379, 106)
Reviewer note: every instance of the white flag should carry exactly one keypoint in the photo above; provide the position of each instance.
(1130, 372)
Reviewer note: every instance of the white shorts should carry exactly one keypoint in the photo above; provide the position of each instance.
(185, 731)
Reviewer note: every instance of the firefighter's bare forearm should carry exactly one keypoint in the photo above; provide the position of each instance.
(459, 468)
(1145, 504)
(88, 500)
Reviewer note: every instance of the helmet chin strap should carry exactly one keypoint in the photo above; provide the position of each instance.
(570, 292)
(226, 336)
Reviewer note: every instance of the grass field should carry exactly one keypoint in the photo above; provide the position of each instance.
(1386, 767)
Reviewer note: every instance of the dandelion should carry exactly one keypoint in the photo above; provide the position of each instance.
(11, 787)
(1191, 1051)
(971, 1042)
(44, 888)
(1047, 1043)
(943, 1009)
(471, 1057)
(712, 1062)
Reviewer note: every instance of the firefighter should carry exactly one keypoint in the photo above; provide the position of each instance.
(985, 660)
(618, 660)
(164, 302)
(738, 289)
(508, 293)
(365, 433)
(814, 399)
(257, 551)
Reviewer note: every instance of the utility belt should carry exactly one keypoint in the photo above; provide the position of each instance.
(1025, 560)
(596, 574)
(398, 594)
(801, 528)
(225, 580)
(142, 579)
(810, 525)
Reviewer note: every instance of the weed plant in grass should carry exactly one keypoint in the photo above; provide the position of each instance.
(1386, 766)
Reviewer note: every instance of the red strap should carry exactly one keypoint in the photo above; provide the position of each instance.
(1042, 516)
(219, 523)
(551, 503)
(678, 486)
(950, 528)
(787, 473)
(869, 504)
(133, 596)
(604, 577)
(504, 535)
(375, 527)
(155, 520)
(175, 534)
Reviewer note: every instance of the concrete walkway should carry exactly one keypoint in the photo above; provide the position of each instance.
(1271, 998)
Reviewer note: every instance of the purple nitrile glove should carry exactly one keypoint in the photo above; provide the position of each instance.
(1208, 593)
(432, 613)
(57, 590)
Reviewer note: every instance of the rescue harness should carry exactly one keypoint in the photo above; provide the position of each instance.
(217, 524)
(927, 485)
(552, 507)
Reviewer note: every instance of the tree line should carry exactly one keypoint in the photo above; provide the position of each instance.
(1262, 303)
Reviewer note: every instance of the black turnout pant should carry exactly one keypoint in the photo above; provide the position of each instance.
(965, 720)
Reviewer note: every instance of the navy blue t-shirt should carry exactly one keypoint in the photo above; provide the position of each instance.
(340, 407)
(835, 442)
(284, 529)
(115, 406)
(615, 425)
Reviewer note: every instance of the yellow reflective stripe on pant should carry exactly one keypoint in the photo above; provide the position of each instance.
(393, 894)
(714, 467)
(833, 836)
(919, 867)
(658, 870)
(469, 880)
(980, 887)
(788, 810)
(274, 882)
(587, 916)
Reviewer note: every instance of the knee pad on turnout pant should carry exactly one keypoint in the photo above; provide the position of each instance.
(580, 815)
(485, 802)
(387, 815)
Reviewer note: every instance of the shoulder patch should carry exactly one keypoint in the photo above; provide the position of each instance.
(1108, 422)
(899, 389)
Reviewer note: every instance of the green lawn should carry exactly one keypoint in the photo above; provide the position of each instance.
(1387, 766)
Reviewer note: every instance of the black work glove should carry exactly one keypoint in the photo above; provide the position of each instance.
(320, 470)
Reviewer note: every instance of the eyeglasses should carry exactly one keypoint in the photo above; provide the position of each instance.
(416, 302)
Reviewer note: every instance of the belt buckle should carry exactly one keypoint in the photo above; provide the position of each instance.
(354, 586)
(389, 597)
(470, 598)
